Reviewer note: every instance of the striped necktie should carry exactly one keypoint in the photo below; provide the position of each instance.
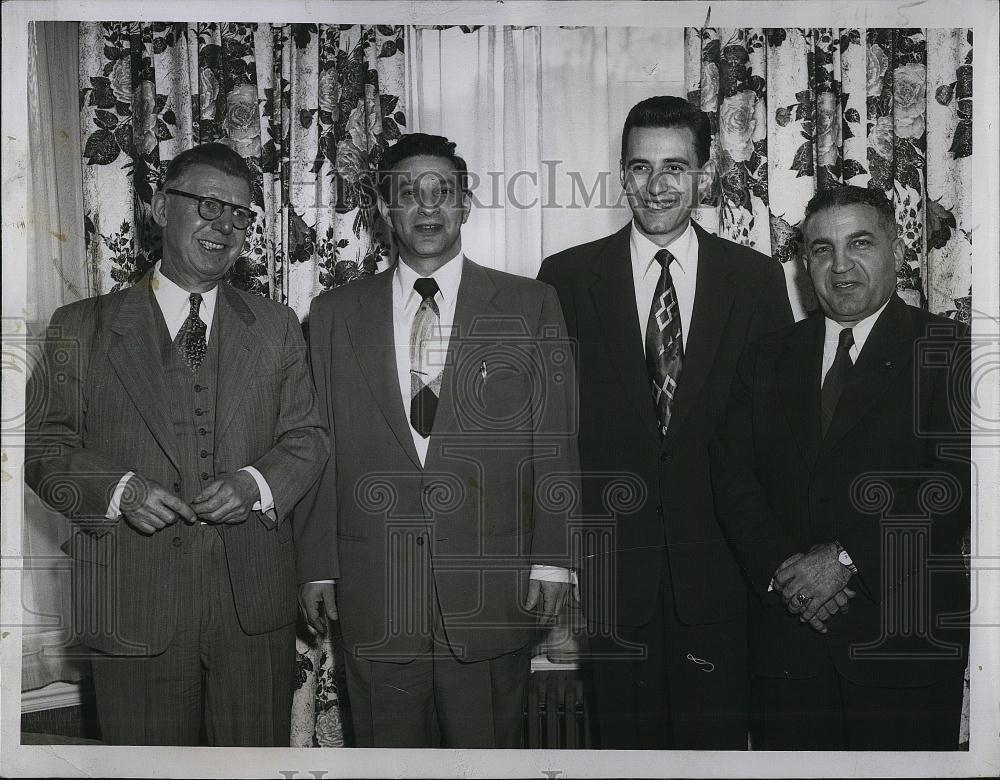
(425, 376)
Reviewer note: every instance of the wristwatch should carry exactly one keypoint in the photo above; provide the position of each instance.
(845, 559)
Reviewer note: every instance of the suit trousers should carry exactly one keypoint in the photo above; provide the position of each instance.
(829, 712)
(213, 682)
(436, 700)
(668, 685)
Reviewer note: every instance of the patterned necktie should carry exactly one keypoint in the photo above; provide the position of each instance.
(425, 376)
(836, 377)
(664, 347)
(190, 341)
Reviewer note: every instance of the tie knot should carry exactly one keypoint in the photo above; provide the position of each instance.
(846, 339)
(195, 299)
(664, 258)
(426, 287)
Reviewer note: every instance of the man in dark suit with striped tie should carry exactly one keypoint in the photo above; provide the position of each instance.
(842, 478)
(176, 427)
(450, 392)
(662, 310)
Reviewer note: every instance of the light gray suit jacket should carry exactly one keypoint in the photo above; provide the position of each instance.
(98, 411)
(499, 482)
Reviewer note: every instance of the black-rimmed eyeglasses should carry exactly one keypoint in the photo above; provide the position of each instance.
(212, 208)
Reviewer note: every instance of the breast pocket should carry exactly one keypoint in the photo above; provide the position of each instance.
(499, 404)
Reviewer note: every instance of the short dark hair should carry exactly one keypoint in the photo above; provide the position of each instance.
(851, 195)
(215, 155)
(669, 111)
(415, 145)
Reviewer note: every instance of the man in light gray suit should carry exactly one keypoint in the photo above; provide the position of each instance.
(450, 393)
(176, 427)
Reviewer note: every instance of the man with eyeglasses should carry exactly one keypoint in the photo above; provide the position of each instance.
(179, 419)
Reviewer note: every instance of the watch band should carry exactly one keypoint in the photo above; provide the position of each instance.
(845, 559)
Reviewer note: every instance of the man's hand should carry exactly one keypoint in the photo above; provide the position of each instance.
(227, 500)
(808, 582)
(148, 507)
(318, 605)
(839, 603)
(549, 598)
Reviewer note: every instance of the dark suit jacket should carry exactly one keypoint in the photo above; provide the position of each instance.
(490, 499)
(666, 496)
(99, 413)
(894, 462)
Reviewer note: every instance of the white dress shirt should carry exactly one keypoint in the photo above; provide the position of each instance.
(832, 338)
(646, 273)
(405, 302)
(175, 305)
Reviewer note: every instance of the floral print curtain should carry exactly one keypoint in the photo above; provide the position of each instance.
(799, 110)
(310, 107)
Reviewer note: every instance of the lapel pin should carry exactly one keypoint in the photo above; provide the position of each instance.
(888, 364)
(482, 370)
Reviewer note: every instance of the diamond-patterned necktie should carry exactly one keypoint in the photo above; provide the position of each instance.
(836, 377)
(425, 376)
(664, 347)
(190, 341)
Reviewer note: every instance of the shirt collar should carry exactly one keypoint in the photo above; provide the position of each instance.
(448, 278)
(861, 330)
(172, 296)
(644, 250)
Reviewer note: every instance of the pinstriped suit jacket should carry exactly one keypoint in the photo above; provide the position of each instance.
(99, 412)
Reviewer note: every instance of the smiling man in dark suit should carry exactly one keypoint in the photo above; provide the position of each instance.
(449, 391)
(176, 426)
(843, 470)
(662, 310)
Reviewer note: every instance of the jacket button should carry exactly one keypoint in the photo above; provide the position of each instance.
(202, 431)
(663, 456)
(177, 487)
(420, 541)
(204, 453)
(205, 475)
(198, 412)
(176, 541)
(198, 388)
(659, 510)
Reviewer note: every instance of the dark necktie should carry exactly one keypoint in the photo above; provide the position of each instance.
(425, 373)
(664, 347)
(190, 341)
(836, 377)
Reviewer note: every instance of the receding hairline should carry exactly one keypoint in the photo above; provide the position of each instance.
(889, 226)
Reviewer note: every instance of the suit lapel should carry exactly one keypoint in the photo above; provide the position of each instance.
(135, 356)
(713, 300)
(236, 327)
(886, 354)
(613, 296)
(474, 302)
(797, 371)
(371, 333)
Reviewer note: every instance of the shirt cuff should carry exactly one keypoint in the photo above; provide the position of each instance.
(322, 582)
(266, 503)
(553, 574)
(114, 508)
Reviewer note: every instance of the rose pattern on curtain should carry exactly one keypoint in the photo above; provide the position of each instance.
(794, 111)
(311, 108)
